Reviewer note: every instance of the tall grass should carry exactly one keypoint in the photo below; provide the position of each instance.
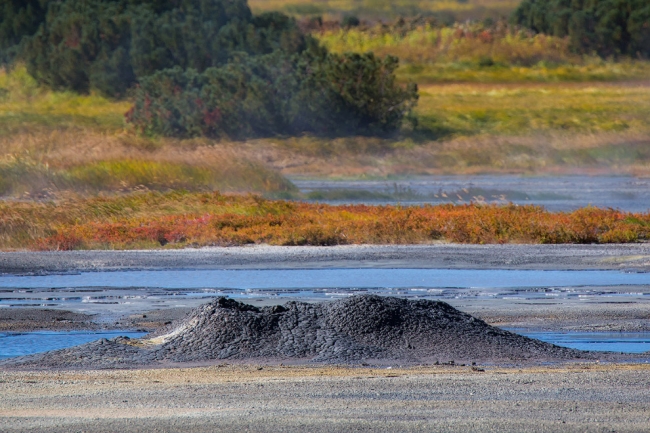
(19, 177)
(475, 53)
(552, 152)
(181, 219)
(25, 107)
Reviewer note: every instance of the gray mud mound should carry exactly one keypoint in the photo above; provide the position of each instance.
(357, 329)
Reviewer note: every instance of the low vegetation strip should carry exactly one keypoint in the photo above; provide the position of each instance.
(180, 219)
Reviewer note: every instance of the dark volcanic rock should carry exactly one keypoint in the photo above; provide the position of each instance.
(357, 329)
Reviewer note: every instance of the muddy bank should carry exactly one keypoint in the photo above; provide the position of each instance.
(568, 315)
(357, 330)
(574, 315)
(26, 319)
(36, 319)
(545, 257)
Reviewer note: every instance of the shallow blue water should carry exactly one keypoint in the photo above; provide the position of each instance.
(626, 342)
(27, 343)
(333, 278)
(556, 193)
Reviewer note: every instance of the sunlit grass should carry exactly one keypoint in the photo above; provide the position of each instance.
(458, 43)
(468, 72)
(20, 177)
(473, 53)
(26, 107)
(385, 9)
(180, 219)
(465, 109)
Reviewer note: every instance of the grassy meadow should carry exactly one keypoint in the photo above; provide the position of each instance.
(54, 142)
(492, 99)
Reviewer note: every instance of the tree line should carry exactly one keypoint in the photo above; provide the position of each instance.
(604, 27)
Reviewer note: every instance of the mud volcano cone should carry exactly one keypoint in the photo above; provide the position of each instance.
(363, 328)
(358, 329)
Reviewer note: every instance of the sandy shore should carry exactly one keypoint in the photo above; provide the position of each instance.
(580, 398)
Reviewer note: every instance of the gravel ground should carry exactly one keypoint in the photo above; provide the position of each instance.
(576, 398)
(623, 256)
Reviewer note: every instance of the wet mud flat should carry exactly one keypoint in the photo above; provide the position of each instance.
(32, 319)
(228, 397)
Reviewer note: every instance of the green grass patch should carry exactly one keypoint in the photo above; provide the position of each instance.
(25, 107)
(468, 72)
(19, 177)
(525, 109)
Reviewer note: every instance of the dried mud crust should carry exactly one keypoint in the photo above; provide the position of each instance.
(354, 330)
(34, 319)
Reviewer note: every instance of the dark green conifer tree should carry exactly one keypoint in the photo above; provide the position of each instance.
(18, 19)
(107, 45)
(606, 27)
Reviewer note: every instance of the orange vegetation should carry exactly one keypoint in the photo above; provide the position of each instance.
(149, 220)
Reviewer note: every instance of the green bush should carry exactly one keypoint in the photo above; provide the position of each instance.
(607, 27)
(107, 45)
(18, 18)
(206, 67)
(325, 94)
